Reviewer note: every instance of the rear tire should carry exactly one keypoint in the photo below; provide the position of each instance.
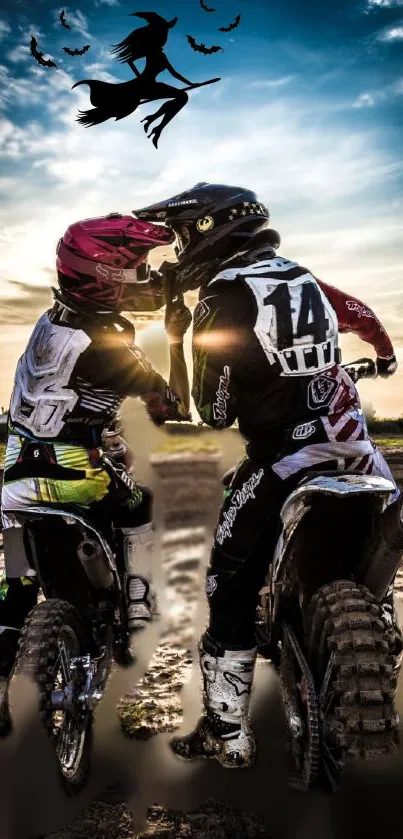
(50, 624)
(352, 653)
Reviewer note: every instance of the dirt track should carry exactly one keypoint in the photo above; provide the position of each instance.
(155, 705)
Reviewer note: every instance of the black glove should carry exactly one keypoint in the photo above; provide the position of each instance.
(163, 407)
(386, 366)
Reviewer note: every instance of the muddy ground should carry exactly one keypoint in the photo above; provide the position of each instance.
(155, 705)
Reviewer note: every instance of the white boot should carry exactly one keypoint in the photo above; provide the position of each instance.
(223, 732)
(138, 546)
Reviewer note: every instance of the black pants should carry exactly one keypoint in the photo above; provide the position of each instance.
(245, 539)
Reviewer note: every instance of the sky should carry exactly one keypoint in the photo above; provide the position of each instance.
(308, 113)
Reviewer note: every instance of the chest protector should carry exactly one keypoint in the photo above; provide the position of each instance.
(41, 397)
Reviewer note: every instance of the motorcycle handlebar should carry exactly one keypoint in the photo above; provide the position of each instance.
(364, 368)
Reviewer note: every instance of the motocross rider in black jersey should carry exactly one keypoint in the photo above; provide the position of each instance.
(265, 352)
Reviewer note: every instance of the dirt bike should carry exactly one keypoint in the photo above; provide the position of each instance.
(321, 623)
(69, 640)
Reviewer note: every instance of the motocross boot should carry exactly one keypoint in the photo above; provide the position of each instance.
(138, 545)
(223, 732)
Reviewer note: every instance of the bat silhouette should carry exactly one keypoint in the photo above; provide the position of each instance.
(76, 51)
(202, 47)
(38, 56)
(205, 7)
(63, 21)
(231, 26)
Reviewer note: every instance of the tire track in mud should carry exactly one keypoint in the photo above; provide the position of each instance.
(155, 706)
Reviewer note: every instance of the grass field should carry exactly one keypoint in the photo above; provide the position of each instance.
(392, 442)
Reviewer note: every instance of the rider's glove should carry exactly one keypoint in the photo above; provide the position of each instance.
(163, 407)
(156, 289)
(386, 366)
(177, 320)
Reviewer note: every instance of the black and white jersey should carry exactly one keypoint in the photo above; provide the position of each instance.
(71, 380)
(265, 348)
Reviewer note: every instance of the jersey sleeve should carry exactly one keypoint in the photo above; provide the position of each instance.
(354, 316)
(218, 339)
(122, 367)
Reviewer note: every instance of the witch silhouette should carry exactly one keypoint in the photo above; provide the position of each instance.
(119, 100)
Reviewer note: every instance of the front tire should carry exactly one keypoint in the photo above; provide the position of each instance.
(352, 653)
(51, 636)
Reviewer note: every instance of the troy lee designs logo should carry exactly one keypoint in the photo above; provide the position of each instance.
(238, 500)
(301, 432)
(362, 312)
(321, 391)
(220, 405)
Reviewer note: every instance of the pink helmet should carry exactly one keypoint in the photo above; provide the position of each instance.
(101, 261)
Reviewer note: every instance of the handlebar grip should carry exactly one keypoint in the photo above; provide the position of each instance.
(363, 368)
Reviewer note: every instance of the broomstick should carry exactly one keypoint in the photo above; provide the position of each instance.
(200, 84)
(189, 86)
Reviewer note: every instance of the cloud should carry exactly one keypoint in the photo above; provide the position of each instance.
(24, 303)
(40, 85)
(98, 71)
(19, 53)
(384, 4)
(5, 29)
(79, 22)
(107, 2)
(28, 29)
(306, 159)
(270, 83)
(7, 184)
(26, 90)
(365, 100)
(394, 33)
(375, 97)
(76, 173)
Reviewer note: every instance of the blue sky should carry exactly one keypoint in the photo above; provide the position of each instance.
(309, 113)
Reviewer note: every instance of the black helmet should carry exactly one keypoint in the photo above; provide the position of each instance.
(211, 223)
